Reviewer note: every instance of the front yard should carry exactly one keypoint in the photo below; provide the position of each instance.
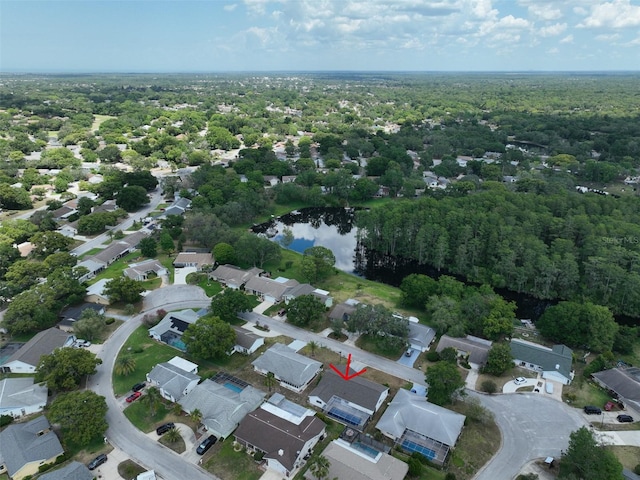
(230, 464)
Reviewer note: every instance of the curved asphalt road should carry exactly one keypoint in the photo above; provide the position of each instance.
(142, 449)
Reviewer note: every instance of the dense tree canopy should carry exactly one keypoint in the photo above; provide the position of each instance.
(81, 416)
(305, 311)
(65, 368)
(123, 289)
(209, 337)
(228, 304)
(585, 459)
(444, 383)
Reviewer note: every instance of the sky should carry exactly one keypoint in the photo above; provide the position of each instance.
(318, 35)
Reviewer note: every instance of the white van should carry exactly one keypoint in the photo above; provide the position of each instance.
(548, 388)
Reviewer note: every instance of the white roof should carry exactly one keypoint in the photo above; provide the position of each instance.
(183, 364)
(21, 392)
(98, 287)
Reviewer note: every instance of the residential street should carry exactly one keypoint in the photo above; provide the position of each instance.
(156, 198)
(142, 449)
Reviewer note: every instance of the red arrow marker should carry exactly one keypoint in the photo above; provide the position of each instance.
(346, 375)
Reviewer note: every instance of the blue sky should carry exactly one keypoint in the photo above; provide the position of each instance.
(267, 35)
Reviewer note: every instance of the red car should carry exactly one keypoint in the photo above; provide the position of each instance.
(134, 396)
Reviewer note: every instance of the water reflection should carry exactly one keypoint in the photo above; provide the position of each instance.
(327, 227)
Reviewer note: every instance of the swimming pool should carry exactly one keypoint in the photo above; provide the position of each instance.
(233, 386)
(366, 449)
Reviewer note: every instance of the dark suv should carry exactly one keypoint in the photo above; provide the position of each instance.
(96, 462)
(591, 410)
(625, 418)
(138, 386)
(206, 444)
(162, 429)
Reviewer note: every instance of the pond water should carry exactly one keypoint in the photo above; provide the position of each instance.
(326, 227)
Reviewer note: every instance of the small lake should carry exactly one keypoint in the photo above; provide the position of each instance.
(326, 227)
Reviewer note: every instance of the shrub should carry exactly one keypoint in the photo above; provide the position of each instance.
(450, 476)
(433, 356)
(415, 467)
(5, 420)
(637, 469)
(489, 386)
(258, 456)
(109, 320)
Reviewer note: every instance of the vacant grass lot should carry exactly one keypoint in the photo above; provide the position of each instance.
(628, 456)
(228, 464)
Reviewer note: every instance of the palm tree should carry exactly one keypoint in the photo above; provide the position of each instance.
(152, 399)
(196, 416)
(125, 365)
(270, 380)
(320, 467)
(313, 346)
(173, 435)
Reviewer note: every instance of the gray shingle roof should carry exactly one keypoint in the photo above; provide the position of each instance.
(559, 358)
(477, 349)
(420, 334)
(625, 382)
(270, 433)
(76, 311)
(287, 365)
(43, 343)
(222, 408)
(21, 392)
(358, 390)
(73, 471)
(234, 275)
(347, 464)
(21, 444)
(244, 338)
(171, 379)
(413, 412)
(269, 286)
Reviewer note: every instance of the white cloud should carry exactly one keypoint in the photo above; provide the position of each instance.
(607, 37)
(567, 39)
(553, 30)
(553, 51)
(615, 14)
(544, 12)
(230, 8)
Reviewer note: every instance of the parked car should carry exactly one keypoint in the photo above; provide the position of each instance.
(96, 462)
(79, 343)
(591, 410)
(520, 381)
(138, 386)
(206, 444)
(408, 352)
(133, 397)
(625, 418)
(162, 429)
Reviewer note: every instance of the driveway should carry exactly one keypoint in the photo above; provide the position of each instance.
(409, 361)
(180, 275)
(511, 387)
(164, 297)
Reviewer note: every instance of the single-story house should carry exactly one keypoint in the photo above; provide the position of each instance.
(624, 383)
(27, 358)
(72, 314)
(476, 349)
(193, 259)
(270, 289)
(171, 328)
(69, 230)
(232, 276)
(307, 289)
(350, 402)
(63, 212)
(420, 336)
(343, 311)
(292, 370)
(223, 405)
(21, 396)
(554, 363)
(106, 206)
(175, 378)
(178, 207)
(141, 270)
(28, 446)
(348, 461)
(72, 471)
(246, 342)
(283, 439)
(93, 265)
(95, 292)
(119, 248)
(416, 425)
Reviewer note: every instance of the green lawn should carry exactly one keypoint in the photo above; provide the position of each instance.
(130, 469)
(210, 287)
(152, 354)
(167, 262)
(116, 268)
(139, 415)
(152, 283)
(91, 252)
(231, 465)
